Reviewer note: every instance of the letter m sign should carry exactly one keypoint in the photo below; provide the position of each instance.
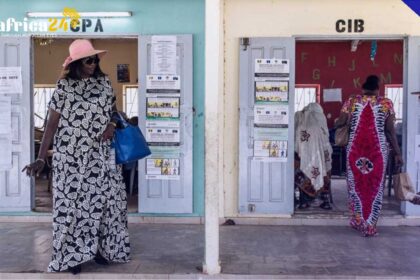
(414, 5)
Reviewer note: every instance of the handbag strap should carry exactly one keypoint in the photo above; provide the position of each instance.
(121, 119)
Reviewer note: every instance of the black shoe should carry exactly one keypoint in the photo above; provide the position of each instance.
(75, 269)
(100, 260)
(303, 205)
(325, 205)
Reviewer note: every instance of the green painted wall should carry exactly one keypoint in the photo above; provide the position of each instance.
(149, 17)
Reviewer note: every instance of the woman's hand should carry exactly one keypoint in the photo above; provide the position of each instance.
(34, 168)
(109, 132)
(398, 160)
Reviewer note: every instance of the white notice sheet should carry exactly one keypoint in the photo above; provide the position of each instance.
(271, 115)
(163, 55)
(156, 84)
(332, 95)
(272, 67)
(10, 80)
(160, 136)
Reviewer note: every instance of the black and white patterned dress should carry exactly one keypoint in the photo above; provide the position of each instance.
(90, 200)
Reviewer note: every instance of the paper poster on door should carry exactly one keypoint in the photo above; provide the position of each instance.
(158, 108)
(163, 55)
(272, 67)
(156, 84)
(271, 91)
(162, 136)
(271, 115)
(162, 169)
(269, 150)
(10, 80)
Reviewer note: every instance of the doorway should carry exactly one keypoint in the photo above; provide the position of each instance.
(328, 73)
(120, 64)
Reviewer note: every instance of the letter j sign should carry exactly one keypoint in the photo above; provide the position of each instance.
(414, 5)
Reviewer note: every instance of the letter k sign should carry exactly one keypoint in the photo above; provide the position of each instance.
(414, 5)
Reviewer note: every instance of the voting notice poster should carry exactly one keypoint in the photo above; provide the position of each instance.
(10, 80)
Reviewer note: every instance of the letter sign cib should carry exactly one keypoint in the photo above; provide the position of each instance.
(350, 25)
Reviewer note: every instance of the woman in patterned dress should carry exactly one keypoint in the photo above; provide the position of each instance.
(371, 132)
(90, 201)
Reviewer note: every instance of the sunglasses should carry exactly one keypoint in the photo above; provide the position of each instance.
(90, 60)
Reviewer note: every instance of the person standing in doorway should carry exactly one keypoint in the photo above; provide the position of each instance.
(371, 132)
(312, 156)
(89, 196)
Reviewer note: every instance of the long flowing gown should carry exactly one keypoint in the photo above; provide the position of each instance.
(89, 197)
(367, 156)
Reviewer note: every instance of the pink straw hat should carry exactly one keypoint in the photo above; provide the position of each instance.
(81, 48)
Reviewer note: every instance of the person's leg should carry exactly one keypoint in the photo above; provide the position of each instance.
(114, 245)
(325, 193)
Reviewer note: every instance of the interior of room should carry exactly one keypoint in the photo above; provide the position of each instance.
(329, 72)
(120, 64)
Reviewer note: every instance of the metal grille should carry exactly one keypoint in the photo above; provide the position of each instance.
(42, 96)
(304, 96)
(395, 93)
(130, 93)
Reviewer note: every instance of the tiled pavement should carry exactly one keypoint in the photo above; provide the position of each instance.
(162, 251)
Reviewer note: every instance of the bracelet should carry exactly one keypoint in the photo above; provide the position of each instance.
(113, 124)
(43, 161)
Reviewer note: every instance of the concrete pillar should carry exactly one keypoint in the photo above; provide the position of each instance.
(213, 89)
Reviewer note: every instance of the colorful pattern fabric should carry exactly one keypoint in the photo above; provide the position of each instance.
(89, 198)
(367, 156)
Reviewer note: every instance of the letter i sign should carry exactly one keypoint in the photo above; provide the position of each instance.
(414, 5)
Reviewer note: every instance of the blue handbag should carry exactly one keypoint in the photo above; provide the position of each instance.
(129, 143)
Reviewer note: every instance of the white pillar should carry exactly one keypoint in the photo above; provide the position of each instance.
(213, 89)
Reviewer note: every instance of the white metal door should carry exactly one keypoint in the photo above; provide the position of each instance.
(412, 116)
(15, 186)
(169, 196)
(264, 187)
